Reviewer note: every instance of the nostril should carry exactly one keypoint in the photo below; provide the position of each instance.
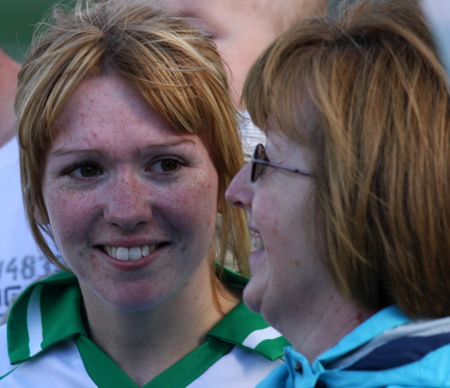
(128, 224)
(127, 217)
(128, 206)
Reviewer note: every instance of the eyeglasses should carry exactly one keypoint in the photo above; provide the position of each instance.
(261, 161)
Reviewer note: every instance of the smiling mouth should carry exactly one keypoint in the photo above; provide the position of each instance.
(257, 242)
(130, 254)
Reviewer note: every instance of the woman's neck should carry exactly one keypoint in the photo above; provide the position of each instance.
(326, 326)
(145, 343)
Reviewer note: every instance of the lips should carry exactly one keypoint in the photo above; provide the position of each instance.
(130, 254)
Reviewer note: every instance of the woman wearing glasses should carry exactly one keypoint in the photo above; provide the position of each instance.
(349, 201)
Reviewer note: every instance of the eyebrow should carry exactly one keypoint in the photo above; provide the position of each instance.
(68, 151)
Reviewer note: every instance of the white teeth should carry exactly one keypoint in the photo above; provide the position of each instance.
(126, 254)
(135, 253)
(257, 242)
(123, 254)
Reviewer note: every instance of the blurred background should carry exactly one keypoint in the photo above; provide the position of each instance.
(18, 19)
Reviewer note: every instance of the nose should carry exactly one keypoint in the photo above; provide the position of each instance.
(128, 202)
(240, 191)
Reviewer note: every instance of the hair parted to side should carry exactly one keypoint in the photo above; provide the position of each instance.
(367, 93)
(177, 71)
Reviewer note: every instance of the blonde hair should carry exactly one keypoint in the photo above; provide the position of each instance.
(367, 93)
(176, 70)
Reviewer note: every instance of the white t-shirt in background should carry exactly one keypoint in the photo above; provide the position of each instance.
(21, 262)
(251, 135)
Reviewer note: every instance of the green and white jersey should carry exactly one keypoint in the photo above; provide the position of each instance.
(45, 344)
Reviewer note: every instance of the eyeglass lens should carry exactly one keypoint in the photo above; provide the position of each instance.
(258, 168)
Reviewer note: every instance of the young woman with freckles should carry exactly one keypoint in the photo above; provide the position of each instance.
(128, 140)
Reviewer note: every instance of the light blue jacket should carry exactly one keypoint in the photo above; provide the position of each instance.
(388, 350)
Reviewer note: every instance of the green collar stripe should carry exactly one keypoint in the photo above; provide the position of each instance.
(238, 324)
(192, 366)
(97, 363)
(178, 375)
(272, 349)
(247, 329)
(257, 336)
(7, 374)
(233, 279)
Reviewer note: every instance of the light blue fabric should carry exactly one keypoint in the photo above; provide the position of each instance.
(433, 370)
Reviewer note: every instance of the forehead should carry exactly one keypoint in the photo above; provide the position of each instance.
(294, 114)
(109, 108)
(209, 7)
(221, 12)
(108, 113)
(293, 150)
(277, 15)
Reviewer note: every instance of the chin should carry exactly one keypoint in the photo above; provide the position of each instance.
(129, 304)
(261, 301)
(128, 298)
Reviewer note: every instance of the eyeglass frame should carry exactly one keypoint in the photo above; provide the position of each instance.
(261, 151)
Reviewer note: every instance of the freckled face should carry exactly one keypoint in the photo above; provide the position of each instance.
(286, 269)
(132, 203)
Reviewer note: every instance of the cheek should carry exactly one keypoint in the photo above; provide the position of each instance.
(281, 224)
(268, 214)
(69, 213)
(276, 226)
(195, 204)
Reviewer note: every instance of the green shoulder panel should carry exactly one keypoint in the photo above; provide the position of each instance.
(33, 324)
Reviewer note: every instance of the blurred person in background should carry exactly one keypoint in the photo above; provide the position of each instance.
(241, 31)
(21, 262)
